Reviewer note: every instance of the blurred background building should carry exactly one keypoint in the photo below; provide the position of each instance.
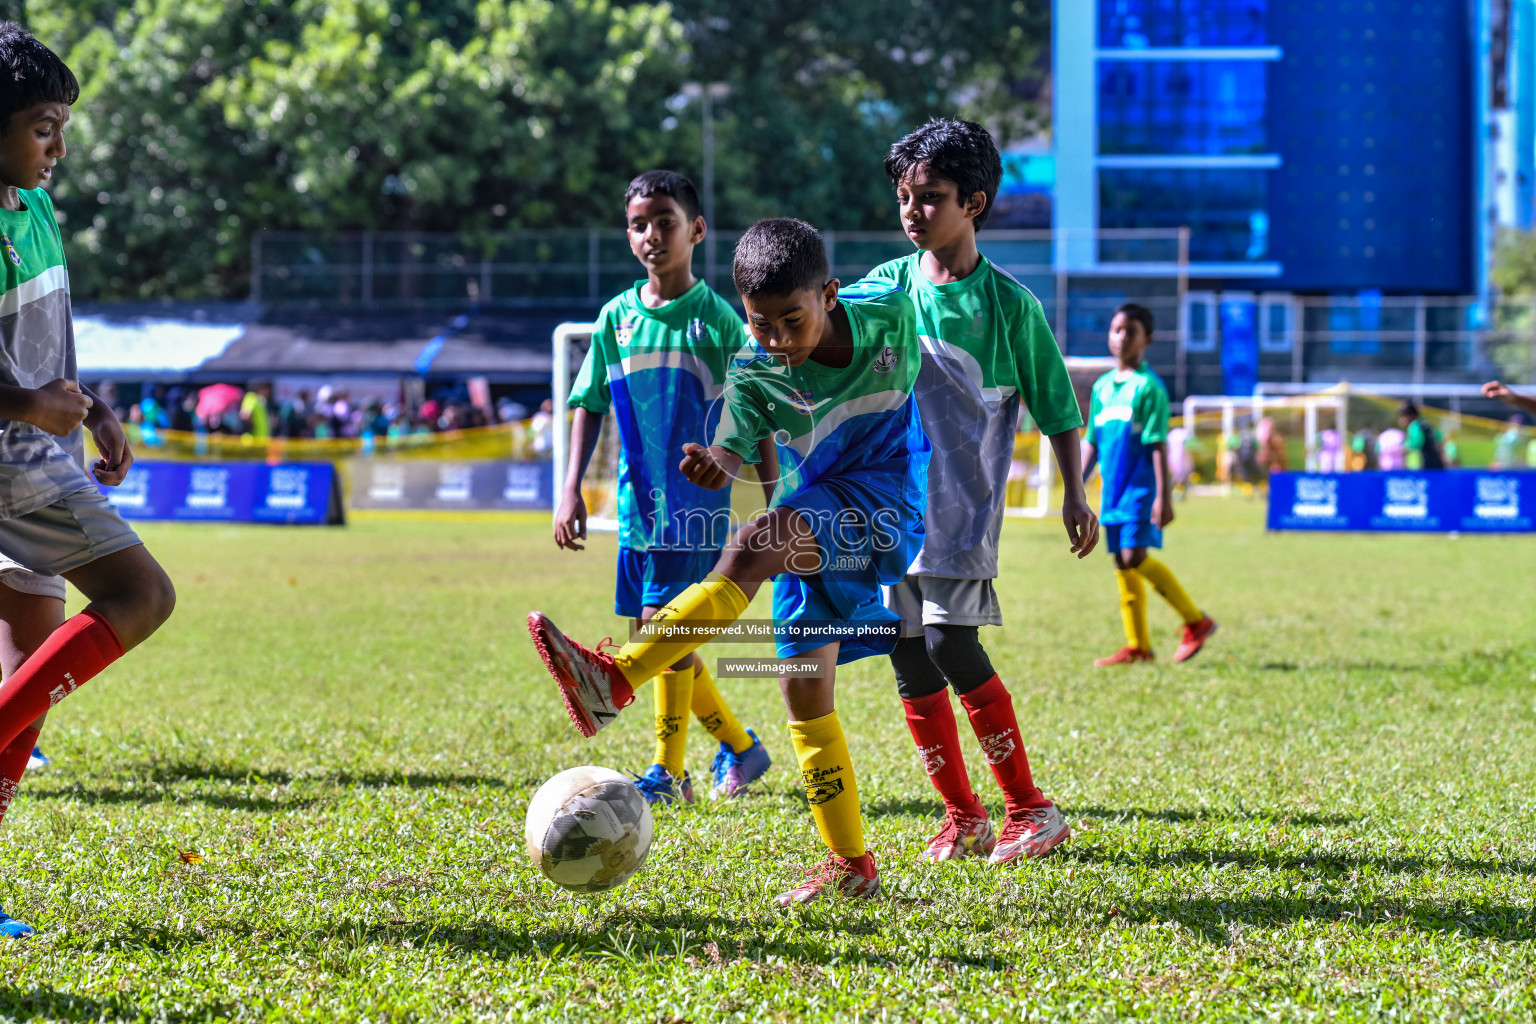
(1343, 167)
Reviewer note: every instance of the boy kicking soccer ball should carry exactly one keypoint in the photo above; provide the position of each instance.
(658, 361)
(54, 521)
(1128, 438)
(986, 345)
(831, 382)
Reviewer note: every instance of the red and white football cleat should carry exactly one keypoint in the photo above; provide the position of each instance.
(1125, 656)
(963, 835)
(1195, 636)
(587, 678)
(856, 878)
(1030, 832)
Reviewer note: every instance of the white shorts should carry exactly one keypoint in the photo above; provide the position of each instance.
(938, 601)
(38, 548)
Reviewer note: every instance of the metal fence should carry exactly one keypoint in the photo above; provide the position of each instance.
(1298, 338)
(381, 270)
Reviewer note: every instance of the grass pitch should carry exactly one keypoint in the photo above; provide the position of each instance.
(304, 801)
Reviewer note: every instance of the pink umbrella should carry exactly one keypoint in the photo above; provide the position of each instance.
(216, 398)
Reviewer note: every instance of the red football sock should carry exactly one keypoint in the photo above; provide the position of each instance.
(73, 654)
(13, 762)
(991, 709)
(932, 722)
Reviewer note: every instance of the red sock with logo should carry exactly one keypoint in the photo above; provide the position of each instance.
(991, 710)
(13, 762)
(73, 654)
(931, 720)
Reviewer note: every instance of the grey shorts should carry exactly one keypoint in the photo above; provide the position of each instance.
(38, 548)
(937, 601)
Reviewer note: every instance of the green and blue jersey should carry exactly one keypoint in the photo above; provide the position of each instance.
(1126, 418)
(660, 372)
(837, 421)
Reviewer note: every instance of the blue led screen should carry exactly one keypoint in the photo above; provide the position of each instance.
(1226, 211)
(1370, 111)
(1138, 24)
(1182, 107)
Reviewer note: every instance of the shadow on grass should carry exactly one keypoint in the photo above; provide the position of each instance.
(1208, 814)
(1213, 919)
(932, 807)
(153, 794)
(31, 1003)
(808, 937)
(1336, 863)
(168, 772)
(155, 783)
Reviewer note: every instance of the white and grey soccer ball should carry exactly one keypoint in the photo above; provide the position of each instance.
(589, 829)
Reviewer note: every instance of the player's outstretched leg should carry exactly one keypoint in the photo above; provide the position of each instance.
(596, 684)
(1198, 626)
(967, 830)
(826, 770)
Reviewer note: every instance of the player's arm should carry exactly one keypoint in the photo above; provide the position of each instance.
(1501, 391)
(57, 407)
(710, 468)
(1162, 506)
(571, 518)
(768, 468)
(1090, 459)
(1048, 394)
(1082, 525)
(111, 441)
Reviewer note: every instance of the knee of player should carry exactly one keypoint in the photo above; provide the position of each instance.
(957, 652)
(156, 594)
(1132, 558)
(753, 555)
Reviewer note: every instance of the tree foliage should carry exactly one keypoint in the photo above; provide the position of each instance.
(201, 121)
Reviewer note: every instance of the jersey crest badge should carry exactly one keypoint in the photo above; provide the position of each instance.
(886, 361)
(624, 332)
(802, 400)
(10, 250)
(697, 332)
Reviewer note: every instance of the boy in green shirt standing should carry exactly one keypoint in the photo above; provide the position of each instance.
(986, 348)
(658, 363)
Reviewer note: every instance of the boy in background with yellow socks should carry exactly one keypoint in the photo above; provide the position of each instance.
(831, 381)
(657, 362)
(1128, 438)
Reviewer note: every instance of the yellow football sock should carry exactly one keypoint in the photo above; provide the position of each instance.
(1167, 584)
(673, 695)
(1133, 609)
(714, 713)
(827, 773)
(705, 608)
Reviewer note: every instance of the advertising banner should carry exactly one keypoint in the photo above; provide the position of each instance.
(233, 492)
(472, 486)
(1444, 501)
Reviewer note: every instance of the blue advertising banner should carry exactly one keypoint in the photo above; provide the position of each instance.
(472, 486)
(302, 493)
(1444, 501)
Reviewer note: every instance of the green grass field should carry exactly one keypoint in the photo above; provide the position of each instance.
(1328, 815)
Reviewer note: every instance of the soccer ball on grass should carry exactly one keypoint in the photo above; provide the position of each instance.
(588, 829)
